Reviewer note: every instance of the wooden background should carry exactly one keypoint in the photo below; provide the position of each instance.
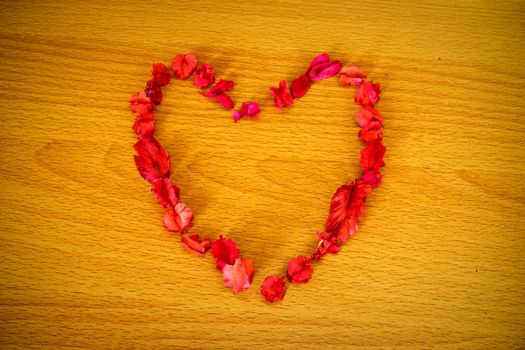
(439, 261)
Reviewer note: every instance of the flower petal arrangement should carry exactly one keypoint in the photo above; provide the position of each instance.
(347, 206)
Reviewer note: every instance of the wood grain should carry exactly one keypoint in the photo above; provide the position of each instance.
(438, 263)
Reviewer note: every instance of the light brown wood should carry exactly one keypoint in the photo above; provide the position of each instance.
(439, 260)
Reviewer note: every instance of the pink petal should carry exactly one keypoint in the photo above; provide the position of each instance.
(368, 94)
(224, 251)
(178, 218)
(250, 109)
(325, 70)
(367, 113)
(238, 276)
(225, 101)
(318, 60)
(300, 86)
(352, 75)
(194, 244)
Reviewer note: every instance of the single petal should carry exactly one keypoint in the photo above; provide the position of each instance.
(144, 125)
(346, 208)
(322, 58)
(204, 76)
(300, 86)
(325, 70)
(372, 177)
(225, 101)
(281, 96)
(352, 75)
(166, 193)
(194, 244)
(153, 162)
(371, 131)
(299, 269)
(160, 74)
(183, 65)
(367, 113)
(225, 252)
(327, 245)
(372, 156)
(238, 276)
(140, 103)
(178, 218)
(368, 94)
(250, 109)
(273, 288)
(154, 92)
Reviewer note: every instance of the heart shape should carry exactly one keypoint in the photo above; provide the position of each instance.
(346, 207)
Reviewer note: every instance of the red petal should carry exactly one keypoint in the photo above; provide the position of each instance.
(144, 125)
(368, 94)
(346, 208)
(238, 276)
(327, 245)
(282, 97)
(273, 288)
(204, 76)
(225, 252)
(225, 101)
(300, 86)
(194, 244)
(140, 103)
(154, 92)
(183, 65)
(372, 156)
(167, 194)
(366, 114)
(352, 75)
(217, 92)
(153, 162)
(160, 74)
(373, 177)
(299, 269)
(250, 109)
(178, 218)
(371, 131)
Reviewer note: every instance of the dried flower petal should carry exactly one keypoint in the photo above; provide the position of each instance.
(352, 75)
(300, 86)
(372, 156)
(140, 103)
(373, 177)
(250, 109)
(371, 131)
(160, 74)
(273, 288)
(322, 68)
(238, 276)
(144, 125)
(153, 162)
(204, 76)
(225, 252)
(299, 269)
(194, 244)
(327, 245)
(183, 65)
(166, 193)
(154, 92)
(217, 92)
(178, 218)
(346, 208)
(281, 96)
(368, 94)
(367, 113)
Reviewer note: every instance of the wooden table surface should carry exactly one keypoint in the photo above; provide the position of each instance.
(439, 261)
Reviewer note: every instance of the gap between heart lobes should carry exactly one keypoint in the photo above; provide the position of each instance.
(347, 205)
